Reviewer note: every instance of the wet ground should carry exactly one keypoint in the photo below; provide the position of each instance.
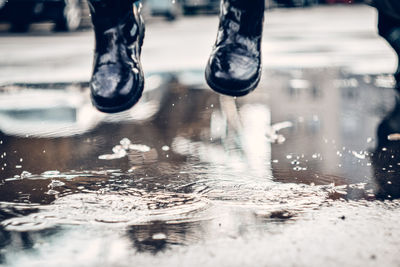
(189, 172)
(302, 172)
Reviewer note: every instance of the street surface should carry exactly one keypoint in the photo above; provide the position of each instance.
(295, 174)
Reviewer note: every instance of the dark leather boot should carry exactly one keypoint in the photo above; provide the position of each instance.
(234, 67)
(117, 81)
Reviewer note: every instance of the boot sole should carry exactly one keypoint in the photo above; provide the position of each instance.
(228, 92)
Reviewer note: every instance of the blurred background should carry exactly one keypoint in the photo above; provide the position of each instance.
(72, 15)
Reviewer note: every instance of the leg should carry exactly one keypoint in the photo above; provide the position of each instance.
(117, 81)
(234, 67)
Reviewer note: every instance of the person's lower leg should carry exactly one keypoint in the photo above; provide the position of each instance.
(234, 67)
(117, 80)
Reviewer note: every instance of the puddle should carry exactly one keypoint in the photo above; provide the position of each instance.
(186, 169)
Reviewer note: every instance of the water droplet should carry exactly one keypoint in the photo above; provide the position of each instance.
(52, 192)
(159, 236)
(360, 155)
(125, 142)
(140, 148)
(56, 183)
(25, 174)
(49, 174)
(298, 168)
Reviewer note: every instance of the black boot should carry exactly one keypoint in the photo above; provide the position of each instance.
(234, 67)
(117, 81)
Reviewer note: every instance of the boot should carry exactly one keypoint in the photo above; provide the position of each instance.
(117, 81)
(234, 67)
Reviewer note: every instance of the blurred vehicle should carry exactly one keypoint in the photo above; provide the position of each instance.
(168, 8)
(66, 14)
(194, 6)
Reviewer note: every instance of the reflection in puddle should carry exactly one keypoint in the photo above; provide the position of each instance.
(128, 207)
(186, 166)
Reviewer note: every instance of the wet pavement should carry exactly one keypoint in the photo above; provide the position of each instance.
(302, 172)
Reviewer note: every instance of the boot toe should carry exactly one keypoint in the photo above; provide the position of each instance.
(233, 73)
(114, 89)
